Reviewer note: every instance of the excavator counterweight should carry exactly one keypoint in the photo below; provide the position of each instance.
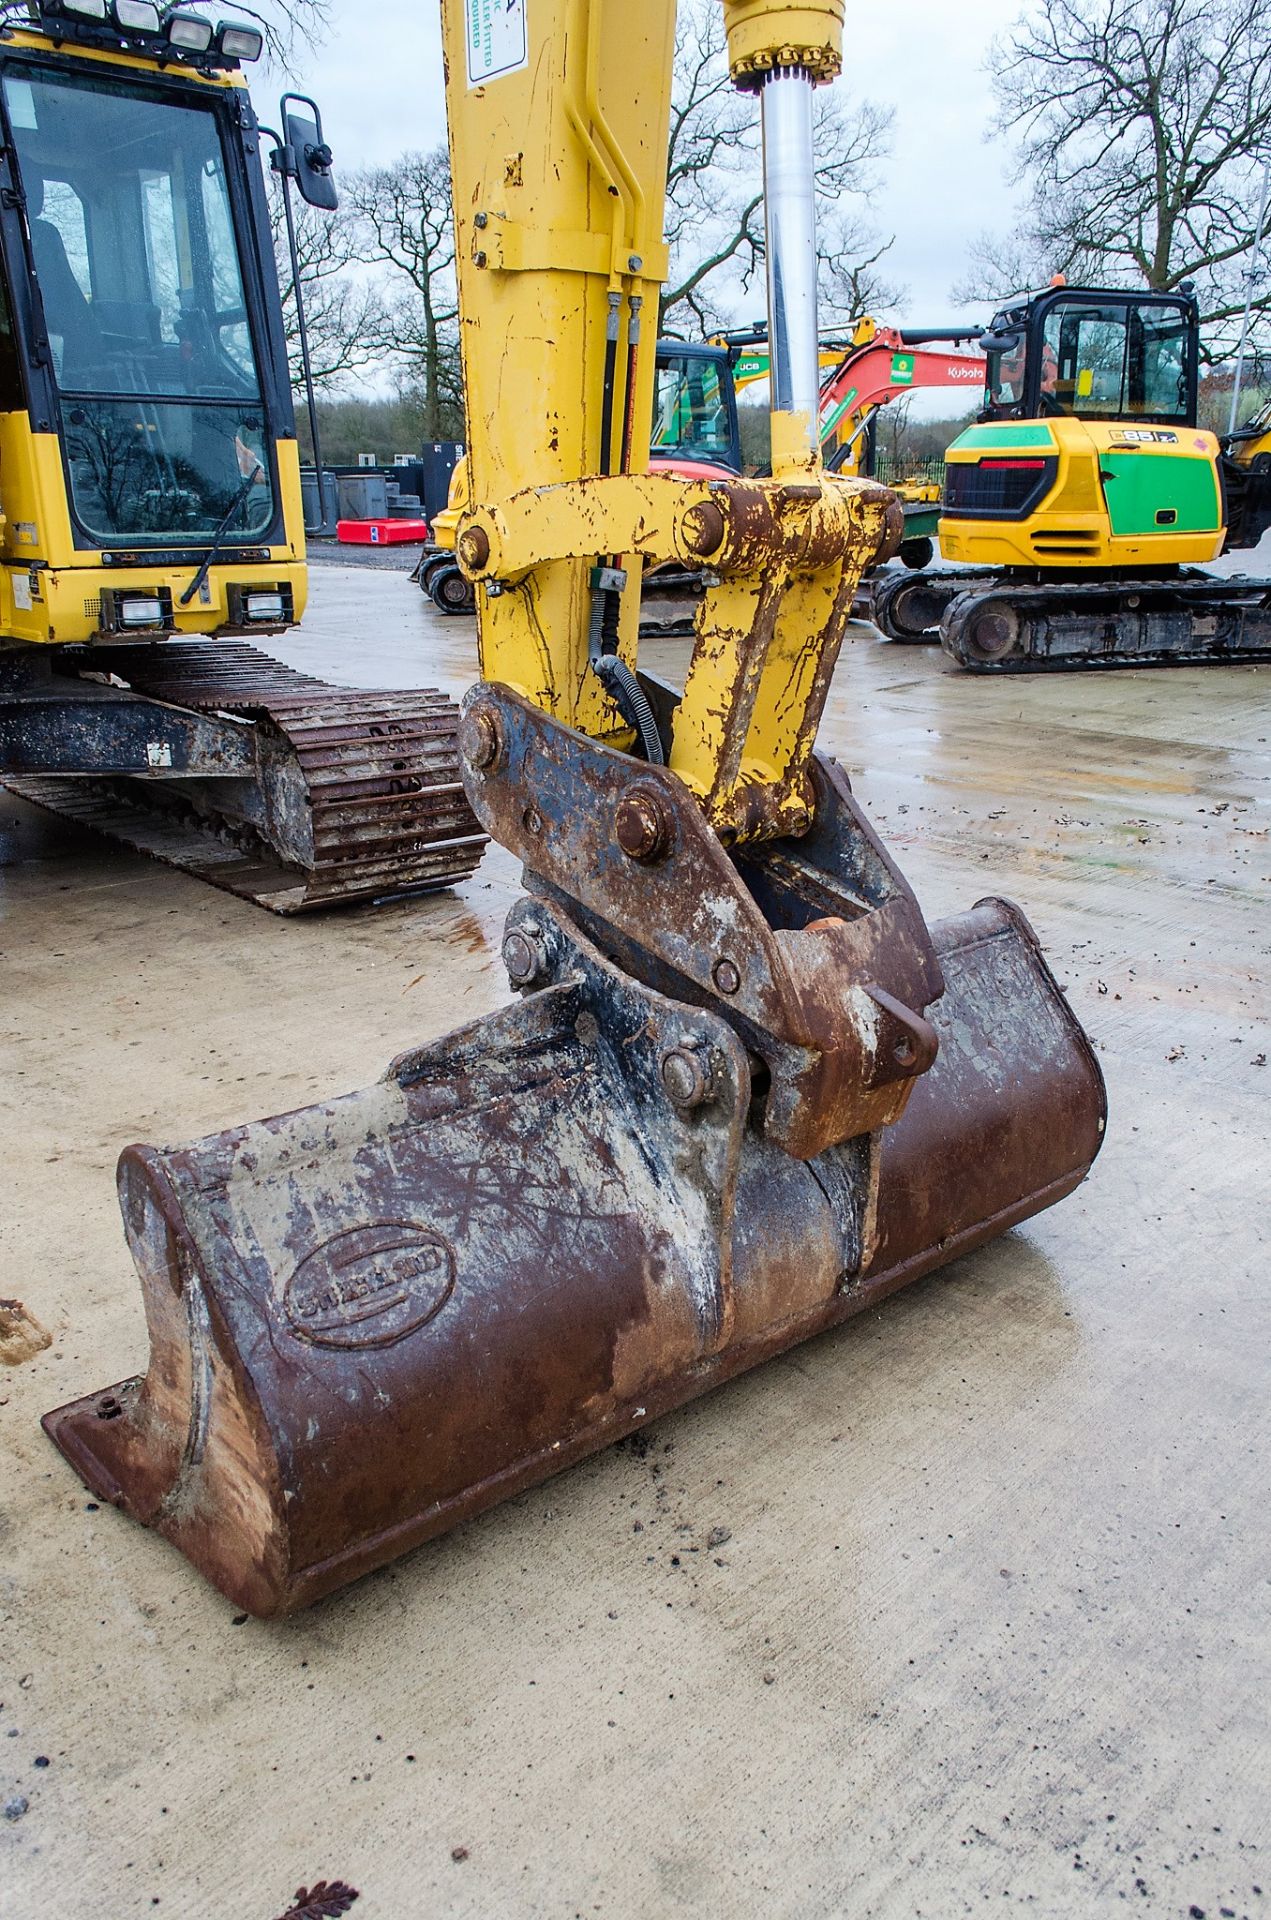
(746, 1090)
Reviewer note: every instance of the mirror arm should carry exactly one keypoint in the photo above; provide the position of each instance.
(283, 162)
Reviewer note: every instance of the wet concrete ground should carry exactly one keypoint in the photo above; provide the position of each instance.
(991, 1626)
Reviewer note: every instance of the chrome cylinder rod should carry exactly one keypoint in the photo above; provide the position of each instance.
(790, 214)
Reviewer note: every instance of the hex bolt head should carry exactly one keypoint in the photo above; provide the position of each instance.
(686, 1073)
(480, 739)
(642, 824)
(726, 976)
(525, 953)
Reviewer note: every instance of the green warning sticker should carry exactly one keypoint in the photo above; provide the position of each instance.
(831, 414)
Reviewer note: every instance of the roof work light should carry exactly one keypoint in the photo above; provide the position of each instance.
(136, 16)
(239, 43)
(190, 32)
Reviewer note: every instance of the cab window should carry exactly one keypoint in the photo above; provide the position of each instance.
(1115, 361)
(690, 412)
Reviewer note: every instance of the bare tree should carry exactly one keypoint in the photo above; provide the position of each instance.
(714, 202)
(344, 311)
(1143, 127)
(850, 279)
(403, 223)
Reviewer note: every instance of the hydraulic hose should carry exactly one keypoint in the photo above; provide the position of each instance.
(620, 683)
(611, 374)
(629, 697)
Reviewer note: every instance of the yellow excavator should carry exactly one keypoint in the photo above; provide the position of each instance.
(1089, 499)
(150, 487)
(745, 1089)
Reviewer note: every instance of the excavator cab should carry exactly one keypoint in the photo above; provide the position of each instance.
(694, 409)
(1093, 355)
(151, 519)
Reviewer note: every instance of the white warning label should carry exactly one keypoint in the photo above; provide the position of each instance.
(497, 41)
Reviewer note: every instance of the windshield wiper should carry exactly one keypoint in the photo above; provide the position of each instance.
(218, 537)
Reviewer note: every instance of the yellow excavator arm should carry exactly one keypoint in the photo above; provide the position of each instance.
(561, 262)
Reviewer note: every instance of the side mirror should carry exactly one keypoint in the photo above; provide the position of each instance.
(304, 155)
(999, 342)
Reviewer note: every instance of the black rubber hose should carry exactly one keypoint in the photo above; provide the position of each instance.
(630, 700)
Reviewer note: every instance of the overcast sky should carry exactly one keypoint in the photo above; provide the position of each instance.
(378, 81)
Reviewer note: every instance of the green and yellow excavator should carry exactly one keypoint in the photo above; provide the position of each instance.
(151, 523)
(1089, 500)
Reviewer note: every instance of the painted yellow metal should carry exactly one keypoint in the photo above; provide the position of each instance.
(762, 36)
(445, 525)
(1075, 527)
(766, 648)
(559, 246)
(50, 588)
(556, 195)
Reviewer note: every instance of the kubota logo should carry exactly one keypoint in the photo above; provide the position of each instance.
(370, 1286)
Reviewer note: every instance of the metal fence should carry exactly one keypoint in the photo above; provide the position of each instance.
(925, 468)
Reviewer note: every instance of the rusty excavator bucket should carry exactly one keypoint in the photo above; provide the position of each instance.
(375, 1317)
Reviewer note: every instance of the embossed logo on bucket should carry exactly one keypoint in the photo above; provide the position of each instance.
(370, 1286)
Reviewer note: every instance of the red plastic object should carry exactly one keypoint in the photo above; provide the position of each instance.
(381, 533)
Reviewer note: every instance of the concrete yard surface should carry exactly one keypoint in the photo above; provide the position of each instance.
(963, 1608)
